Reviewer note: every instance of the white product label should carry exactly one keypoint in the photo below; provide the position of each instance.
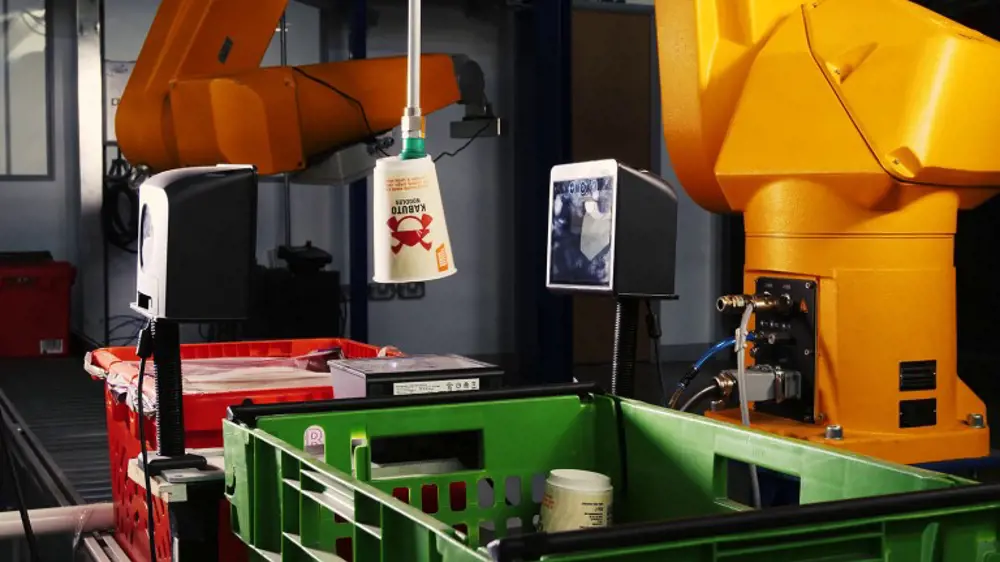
(51, 347)
(431, 387)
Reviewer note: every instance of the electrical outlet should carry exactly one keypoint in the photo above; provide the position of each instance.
(411, 291)
(381, 292)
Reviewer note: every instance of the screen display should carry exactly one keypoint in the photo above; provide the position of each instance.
(581, 230)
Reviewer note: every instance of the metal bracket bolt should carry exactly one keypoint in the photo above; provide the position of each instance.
(976, 421)
(834, 432)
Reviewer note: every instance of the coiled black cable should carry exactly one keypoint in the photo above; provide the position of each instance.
(623, 361)
(169, 401)
(121, 229)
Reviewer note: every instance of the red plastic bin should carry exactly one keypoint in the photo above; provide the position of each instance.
(35, 305)
(203, 414)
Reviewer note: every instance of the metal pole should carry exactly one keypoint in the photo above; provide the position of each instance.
(543, 320)
(90, 121)
(413, 57)
(358, 204)
(412, 124)
(71, 519)
(287, 187)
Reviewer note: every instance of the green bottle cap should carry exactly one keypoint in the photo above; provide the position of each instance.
(413, 148)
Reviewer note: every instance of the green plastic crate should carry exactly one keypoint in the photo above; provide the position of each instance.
(669, 469)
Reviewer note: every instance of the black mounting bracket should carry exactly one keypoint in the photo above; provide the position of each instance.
(796, 349)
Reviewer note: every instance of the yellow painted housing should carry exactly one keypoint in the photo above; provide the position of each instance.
(849, 133)
(197, 97)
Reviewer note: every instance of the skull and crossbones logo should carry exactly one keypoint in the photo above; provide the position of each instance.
(410, 230)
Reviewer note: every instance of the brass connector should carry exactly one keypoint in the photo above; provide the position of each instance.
(732, 303)
(725, 382)
(759, 303)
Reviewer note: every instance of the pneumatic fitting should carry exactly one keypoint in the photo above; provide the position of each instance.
(759, 303)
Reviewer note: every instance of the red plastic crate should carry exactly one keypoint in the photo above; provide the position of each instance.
(203, 414)
(34, 301)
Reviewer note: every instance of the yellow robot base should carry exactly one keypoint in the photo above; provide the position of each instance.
(946, 441)
(849, 133)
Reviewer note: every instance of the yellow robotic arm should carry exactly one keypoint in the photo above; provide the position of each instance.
(849, 133)
(197, 97)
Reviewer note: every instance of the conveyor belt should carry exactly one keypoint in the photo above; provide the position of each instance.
(63, 412)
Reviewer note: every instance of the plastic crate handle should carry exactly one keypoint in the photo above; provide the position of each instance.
(248, 414)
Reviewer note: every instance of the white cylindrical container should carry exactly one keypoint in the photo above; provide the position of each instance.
(575, 499)
(410, 235)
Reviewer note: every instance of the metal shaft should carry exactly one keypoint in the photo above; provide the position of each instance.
(413, 58)
(287, 180)
(412, 123)
(283, 38)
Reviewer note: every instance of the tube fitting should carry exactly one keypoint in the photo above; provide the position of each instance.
(726, 382)
(764, 383)
(732, 303)
(759, 303)
(774, 337)
(412, 125)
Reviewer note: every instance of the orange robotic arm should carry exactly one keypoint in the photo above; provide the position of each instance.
(849, 133)
(197, 97)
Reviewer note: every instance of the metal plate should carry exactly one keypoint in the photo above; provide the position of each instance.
(800, 353)
(918, 413)
(917, 375)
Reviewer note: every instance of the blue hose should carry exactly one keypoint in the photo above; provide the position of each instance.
(682, 384)
(727, 343)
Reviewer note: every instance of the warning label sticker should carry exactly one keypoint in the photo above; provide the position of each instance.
(51, 347)
(431, 387)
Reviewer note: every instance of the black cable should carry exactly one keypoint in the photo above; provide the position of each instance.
(7, 444)
(698, 397)
(655, 333)
(345, 300)
(348, 97)
(126, 317)
(467, 143)
(144, 350)
(120, 231)
(135, 322)
(682, 385)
